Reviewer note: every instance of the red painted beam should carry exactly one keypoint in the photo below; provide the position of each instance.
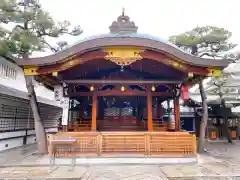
(64, 65)
(161, 58)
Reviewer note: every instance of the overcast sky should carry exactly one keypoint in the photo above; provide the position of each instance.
(161, 18)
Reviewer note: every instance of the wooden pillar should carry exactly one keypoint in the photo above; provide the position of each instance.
(149, 110)
(177, 114)
(94, 112)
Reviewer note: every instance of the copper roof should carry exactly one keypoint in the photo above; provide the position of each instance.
(123, 32)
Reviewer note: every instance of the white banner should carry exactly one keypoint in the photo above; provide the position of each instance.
(65, 106)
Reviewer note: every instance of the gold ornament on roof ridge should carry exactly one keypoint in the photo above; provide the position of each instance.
(123, 56)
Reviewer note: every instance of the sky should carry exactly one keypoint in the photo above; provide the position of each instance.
(161, 18)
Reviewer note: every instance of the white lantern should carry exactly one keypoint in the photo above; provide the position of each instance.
(58, 92)
(214, 121)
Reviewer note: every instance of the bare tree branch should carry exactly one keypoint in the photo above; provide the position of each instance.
(50, 47)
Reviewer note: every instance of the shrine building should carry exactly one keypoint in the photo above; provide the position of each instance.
(119, 87)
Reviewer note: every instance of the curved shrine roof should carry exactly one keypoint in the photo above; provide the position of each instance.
(129, 34)
(123, 32)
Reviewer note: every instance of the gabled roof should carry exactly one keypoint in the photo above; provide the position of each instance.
(132, 39)
(123, 32)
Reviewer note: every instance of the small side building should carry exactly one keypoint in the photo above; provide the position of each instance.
(16, 120)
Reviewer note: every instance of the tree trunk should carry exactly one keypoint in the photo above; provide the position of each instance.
(203, 122)
(38, 124)
(227, 130)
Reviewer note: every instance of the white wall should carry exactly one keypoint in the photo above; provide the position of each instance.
(17, 138)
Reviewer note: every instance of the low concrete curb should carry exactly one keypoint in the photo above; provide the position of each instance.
(45, 161)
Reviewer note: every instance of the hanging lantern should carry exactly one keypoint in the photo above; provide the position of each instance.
(55, 74)
(92, 88)
(58, 92)
(190, 74)
(122, 88)
(185, 92)
(153, 88)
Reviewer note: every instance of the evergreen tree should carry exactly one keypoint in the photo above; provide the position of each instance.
(204, 41)
(32, 27)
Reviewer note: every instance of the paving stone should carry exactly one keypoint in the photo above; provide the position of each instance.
(192, 170)
(206, 178)
(172, 171)
(6, 170)
(67, 171)
(124, 172)
(24, 172)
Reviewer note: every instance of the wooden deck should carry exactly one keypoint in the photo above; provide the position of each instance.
(112, 144)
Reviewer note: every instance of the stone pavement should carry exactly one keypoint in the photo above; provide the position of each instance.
(16, 154)
(221, 162)
(86, 173)
(26, 156)
(123, 172)
(224, 150)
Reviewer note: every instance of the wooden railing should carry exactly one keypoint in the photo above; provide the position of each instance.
(128, 143)
(77, 127)
(111, 124)
(157, 126)
(123, 123)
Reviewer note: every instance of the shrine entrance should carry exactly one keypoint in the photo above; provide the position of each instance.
(118, 111)
(122, 113)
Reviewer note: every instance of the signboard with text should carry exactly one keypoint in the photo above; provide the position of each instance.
(65, 106)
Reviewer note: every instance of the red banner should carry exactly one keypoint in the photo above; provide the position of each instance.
(185, 92)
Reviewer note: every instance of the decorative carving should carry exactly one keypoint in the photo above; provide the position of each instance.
(176, 64)
(123, 56)
(30, 70)
(70, 63)
(123, 25)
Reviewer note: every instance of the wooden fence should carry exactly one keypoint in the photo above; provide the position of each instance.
(126, 144)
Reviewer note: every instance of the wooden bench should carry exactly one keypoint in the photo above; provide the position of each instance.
(60, 144)
(87, 142)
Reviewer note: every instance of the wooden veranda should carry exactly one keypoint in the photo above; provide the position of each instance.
(112, 144)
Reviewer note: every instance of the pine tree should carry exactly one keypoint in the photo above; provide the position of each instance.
(203, 41)
(32, 27)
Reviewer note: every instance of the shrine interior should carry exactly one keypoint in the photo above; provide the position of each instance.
(118, 113)
(124, 110)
